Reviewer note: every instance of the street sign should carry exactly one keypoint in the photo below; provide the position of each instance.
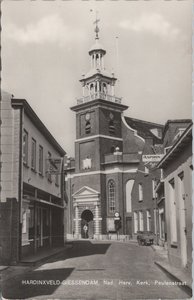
(152, 157)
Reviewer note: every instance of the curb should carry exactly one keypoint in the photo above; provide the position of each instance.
(187, 288)
(2, 268)
(41, 260)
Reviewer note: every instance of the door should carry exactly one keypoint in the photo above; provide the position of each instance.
(129, 226)
(91, 229)
(183, 228)
(39, 227)
(42, 227)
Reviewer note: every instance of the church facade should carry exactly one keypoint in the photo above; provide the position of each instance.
(108, 152)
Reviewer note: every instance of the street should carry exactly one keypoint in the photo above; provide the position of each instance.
(96, 270)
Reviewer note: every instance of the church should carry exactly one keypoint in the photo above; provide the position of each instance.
(108, 154)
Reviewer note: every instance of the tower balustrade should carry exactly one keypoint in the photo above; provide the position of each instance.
(99, 95)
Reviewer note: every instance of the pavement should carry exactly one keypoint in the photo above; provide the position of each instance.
(95, 270)
(30, 262)
(161, 260)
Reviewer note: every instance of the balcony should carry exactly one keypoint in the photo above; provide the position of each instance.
(99, 95)
(122, 158)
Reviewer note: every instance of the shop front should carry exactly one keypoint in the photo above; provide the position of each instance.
(42, 226)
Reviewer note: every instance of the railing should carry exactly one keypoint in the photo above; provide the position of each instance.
(125, 158)
(99, 95)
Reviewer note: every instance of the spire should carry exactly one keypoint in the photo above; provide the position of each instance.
(96, 30)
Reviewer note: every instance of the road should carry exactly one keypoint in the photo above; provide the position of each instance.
(96, 270)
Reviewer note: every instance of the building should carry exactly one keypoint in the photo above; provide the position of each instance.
(32, 192)
(177, 181)
(144, 205)
(161, 229)
(108, 153)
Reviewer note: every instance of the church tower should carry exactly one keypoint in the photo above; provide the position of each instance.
(98, 142)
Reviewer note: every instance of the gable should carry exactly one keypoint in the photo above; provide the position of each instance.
(85, 191)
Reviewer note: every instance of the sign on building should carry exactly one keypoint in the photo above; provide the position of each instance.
(153, 158)
(54, 166)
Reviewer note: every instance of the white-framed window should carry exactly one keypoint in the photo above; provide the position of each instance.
(48, 168)
(111, 196)
(148, 219)
(140, 187)
(129, 186)
(33, 154)
(57, 179)
(135, 219)
(153, 189)
(141, 227)
(25, 147)
(40, 167)
(155, 221)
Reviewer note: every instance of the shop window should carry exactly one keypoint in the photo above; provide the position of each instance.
(111, 196)
(24, 222)
(31, 222)
(40, 168)
(25, 147)
(33, 155)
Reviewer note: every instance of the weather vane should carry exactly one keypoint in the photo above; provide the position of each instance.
(96, 30)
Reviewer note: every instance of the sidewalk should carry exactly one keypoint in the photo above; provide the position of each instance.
(161, 260)
(30, 262)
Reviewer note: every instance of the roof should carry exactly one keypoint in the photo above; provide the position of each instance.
(143, 128)
(97, 47)
(100, 72)
(38, 123)
(97, 102)
(175, 121)
(184, 140)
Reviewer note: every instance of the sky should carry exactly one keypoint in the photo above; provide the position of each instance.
(44, 50)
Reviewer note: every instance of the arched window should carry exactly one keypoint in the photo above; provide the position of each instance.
(91, 89)
(97, 61)
(88, 127)
(104, 88)
(129, 186)
(111, 196)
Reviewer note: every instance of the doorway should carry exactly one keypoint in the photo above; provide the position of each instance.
(42, 227)
(87, 224)
(182, 217)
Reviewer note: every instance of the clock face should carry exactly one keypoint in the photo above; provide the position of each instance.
(87, 117)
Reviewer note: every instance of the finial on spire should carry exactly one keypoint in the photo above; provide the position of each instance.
(96, 30)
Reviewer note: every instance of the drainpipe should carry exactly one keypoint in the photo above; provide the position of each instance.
(20, 183)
